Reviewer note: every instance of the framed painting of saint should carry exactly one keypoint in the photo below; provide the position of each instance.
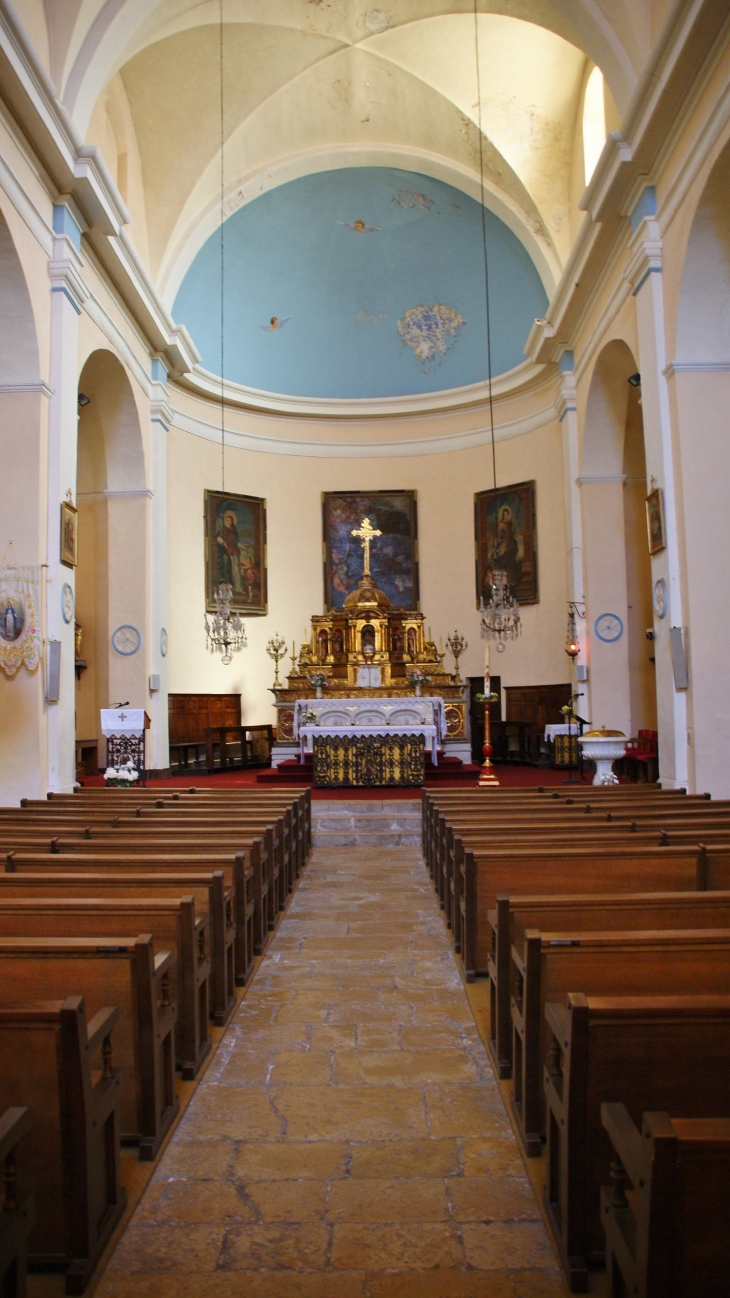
(393, 553)
(505, 527)
(235, 550)
(69, 534)
(655, 521)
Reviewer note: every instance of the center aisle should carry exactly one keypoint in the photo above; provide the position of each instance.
(349, 1139)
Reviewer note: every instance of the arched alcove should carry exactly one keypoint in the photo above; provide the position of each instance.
(111, 578)
(618, 570)
(701, 390)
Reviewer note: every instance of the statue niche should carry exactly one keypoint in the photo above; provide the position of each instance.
(367, 641)
(323, 645)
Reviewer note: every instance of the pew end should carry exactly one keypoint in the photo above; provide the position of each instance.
(17, 1213)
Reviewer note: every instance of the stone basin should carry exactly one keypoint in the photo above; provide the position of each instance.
(604, 749)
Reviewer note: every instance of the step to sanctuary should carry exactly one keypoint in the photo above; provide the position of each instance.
(364, 823)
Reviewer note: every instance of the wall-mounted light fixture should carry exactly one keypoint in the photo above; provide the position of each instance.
(572, 644)
(83, 399)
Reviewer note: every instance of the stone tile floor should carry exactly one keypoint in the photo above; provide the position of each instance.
(349, 1139)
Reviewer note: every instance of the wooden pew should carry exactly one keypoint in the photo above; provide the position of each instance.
(72, 1148)
(646, 1052)
(253, 871)
(550, 965)
(675, 1239)
(123, 971)
(17, 1212)
(582, 912)
(231, 900)
(173, 924)
(630, 868)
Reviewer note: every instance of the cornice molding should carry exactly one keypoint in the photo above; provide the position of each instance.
(133, 493)
(601, 479)
(524, 379)
(695, 367)
(355, 450)
(21, 389)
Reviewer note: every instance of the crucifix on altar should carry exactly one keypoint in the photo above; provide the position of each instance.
(366, 533)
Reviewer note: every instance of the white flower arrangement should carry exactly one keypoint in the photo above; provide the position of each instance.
(123, 776)
(308, 718)
(318, 678)
(417, 676)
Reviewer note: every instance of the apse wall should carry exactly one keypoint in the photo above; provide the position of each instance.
(360, 282)
(292, 485)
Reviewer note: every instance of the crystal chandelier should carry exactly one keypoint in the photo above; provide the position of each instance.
(225, 631)
(501, 616)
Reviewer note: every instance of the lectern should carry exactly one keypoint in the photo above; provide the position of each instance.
(124, 730)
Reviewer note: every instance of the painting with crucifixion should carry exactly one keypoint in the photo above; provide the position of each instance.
(393, 554)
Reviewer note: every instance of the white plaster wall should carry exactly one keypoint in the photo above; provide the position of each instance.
(292, 486)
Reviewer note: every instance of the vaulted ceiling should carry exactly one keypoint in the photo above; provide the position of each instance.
(315, 84)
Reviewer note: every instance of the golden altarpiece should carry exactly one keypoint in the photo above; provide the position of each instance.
(366, 648)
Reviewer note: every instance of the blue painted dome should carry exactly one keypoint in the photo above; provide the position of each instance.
(360, 282)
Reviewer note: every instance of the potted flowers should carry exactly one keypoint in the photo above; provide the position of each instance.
(319, 679)
(308, 717)
(121, 777)
(417, 677)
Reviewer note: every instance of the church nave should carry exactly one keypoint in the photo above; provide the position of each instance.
(349, 1139)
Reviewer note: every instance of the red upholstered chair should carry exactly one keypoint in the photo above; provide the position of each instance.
(642, 757)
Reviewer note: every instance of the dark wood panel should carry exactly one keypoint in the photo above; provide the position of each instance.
(191, 715)
(537, 705)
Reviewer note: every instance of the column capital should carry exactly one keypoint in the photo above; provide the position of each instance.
(64, 270)
(647, 253)
(566, 399)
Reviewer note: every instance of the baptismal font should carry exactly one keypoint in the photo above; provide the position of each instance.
(367, 648)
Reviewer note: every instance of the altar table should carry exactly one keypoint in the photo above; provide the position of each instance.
(307, 734)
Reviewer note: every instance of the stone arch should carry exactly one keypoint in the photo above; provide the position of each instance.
(703, 317)
(112, 575)
(618, 570)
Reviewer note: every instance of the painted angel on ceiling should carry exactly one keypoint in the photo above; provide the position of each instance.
(275, 323)
(360, 227)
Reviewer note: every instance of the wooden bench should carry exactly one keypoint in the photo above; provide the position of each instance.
(233, 894)
(17, 1211)
(123, 971)
(675, 1238)
(173, 924)
(582, 912)
(550, 965)
(631, 868)
(646, 1052)
(71, 1152)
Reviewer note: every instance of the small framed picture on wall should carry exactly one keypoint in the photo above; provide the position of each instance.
(69, 534)
(655, 521)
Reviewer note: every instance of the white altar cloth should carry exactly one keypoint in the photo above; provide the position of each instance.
(392, 713)
(429, 732)
(124, 721)
(563, 729)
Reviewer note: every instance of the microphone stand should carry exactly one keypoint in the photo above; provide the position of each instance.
(578, 720)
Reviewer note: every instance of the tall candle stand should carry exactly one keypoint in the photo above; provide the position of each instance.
(487, 778)
(456, 645)
(276, 649)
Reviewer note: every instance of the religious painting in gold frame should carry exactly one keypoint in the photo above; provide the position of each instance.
(393, 555)
(505, 536)
(235, 550)
(655, 521)
(69, 534)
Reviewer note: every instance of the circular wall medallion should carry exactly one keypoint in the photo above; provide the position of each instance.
(163, 642)
(126, 640)
(67, 602)
(609, 627)
(661, 602)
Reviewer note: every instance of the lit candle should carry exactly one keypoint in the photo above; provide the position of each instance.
(441, 644)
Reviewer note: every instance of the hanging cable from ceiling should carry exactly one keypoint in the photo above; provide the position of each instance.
(484, 240)
(222, 242)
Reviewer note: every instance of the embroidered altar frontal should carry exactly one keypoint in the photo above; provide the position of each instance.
(367, 761)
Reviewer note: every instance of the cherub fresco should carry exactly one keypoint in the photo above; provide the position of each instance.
(275, 323)
(360, 227)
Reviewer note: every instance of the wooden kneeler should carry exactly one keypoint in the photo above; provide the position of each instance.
(72, 1148)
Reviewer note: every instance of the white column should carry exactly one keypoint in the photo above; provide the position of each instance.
(645, 273)
(158, 754)
(68, 292)
(567, 412)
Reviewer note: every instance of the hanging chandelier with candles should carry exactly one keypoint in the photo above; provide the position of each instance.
(225, 632)
(500, 617)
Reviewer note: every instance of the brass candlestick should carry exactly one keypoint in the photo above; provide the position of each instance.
(276, 649)
(487, 778)
(456, 644)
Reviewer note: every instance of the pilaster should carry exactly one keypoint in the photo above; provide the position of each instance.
(645, 275)
(158, 756)
(68, 293)
(566, 409)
